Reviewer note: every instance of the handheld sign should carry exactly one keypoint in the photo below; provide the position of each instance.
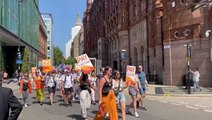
(85, 63)
(130, 75)
(47, 65)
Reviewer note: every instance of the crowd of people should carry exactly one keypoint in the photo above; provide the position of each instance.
(108, 87)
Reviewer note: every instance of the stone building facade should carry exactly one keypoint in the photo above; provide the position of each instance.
(153, 33)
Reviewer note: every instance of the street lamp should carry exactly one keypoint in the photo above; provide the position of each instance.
(189, 74)
(121, 58)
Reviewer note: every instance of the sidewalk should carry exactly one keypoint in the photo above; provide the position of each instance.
(163, 90)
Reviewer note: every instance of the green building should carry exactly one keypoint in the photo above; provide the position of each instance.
(19, 29)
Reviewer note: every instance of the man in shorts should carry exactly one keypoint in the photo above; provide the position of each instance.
(142, 78)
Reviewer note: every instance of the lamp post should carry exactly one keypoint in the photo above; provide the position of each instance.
(189, 74)
(121, 58)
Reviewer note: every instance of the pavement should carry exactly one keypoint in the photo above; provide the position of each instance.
(156, 90)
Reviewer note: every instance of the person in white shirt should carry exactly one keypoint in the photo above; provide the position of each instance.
(51, 84)
(196, 76)
(93, 83)
(67, 87)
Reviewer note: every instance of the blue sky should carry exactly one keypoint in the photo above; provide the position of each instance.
(64, 16)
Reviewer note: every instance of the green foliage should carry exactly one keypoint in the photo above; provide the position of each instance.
(58, 56)
(25, 66)
(71, 61)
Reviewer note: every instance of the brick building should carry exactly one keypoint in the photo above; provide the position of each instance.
(153, 33)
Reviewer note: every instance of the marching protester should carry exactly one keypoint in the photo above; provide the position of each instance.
(143, 81)
(67, 88)
(93, 83)
(118, 88)
(51, 84)
(39, 86)
(133, 91)
(107, 98)
(85, 89)
(25, 88)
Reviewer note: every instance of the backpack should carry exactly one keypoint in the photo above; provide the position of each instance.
(25, 86)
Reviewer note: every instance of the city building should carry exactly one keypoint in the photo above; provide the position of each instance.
(19, 29)
(154, 33)
(48, 20)
(76, 48)
(74, 31)
(42, 41)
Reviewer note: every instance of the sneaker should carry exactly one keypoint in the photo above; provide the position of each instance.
(136, 115)
(143, 108)
(25, 105)
(128, 110)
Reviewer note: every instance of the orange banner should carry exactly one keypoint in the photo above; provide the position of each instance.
(47, 69)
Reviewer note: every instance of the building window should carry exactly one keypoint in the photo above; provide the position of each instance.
(183, 1)
(48, 48)
(48, 31)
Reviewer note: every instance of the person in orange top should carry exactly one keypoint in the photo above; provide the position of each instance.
(107, 98)
(39, 86)
(25, 88)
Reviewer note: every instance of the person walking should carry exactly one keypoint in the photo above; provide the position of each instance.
(118, 88)
(107, 98)
(93, 83)
(67, 88)
(39, 86)
(10, 106)
(142, 78)
(51, 84)
(85, 98)
(196, 76)
(25, 88)
(133, 91)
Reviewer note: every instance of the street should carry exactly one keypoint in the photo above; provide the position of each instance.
(158, 108)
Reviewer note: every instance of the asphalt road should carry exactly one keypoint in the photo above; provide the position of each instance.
(159, 108)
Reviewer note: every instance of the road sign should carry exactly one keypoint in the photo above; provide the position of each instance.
(122, 55)
(19, 61)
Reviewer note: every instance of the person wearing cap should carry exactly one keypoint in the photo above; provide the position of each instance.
(142, 78)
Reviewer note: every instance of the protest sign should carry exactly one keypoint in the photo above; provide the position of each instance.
(85, 63)
(130, 75)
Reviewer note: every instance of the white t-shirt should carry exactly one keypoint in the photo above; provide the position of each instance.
(50, 81)
(68, 81)
(196, 76)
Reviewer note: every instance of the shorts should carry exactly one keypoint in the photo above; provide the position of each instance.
(51, 89)
(120, 97)
(67, 90)
(143, 89)
(133, 91)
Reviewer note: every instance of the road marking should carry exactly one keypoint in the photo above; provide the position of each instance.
(208, 111)
(151, 99)
(162, 101)
(175, 104)
(183, 103)
(192, 107)
(202, 106)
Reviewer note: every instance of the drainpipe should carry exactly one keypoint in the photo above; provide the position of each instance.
(128, 30)
(147, 27)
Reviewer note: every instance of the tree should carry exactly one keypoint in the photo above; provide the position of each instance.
(25, 66)
(71, 61)
(58, 56)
